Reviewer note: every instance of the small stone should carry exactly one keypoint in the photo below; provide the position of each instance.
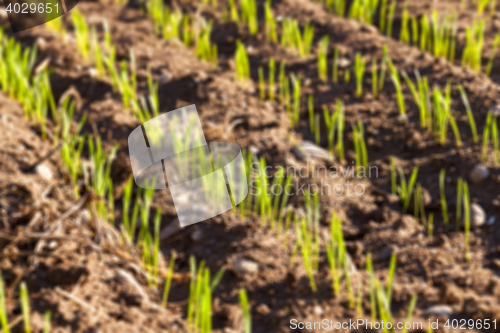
(92, 72)
(306, 150)
(44, 171)
(344, 63)
(479, 174)
(41, 43)
(52, 245)
(197, 235)
(477, 216)
(263, 309)
(439, 310)
(318, 310)
(245, 266)
(254, 150)
(402, 118)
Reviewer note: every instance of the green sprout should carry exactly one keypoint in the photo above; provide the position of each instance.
(490, 127)
(467, 216)
(385, 59)
(397, 86)
(168, 280)
(369, 270)
(374, 78)
(347, 75)
(322, 59)
(201, 287)
(247, 317)
(359, 71)
(271, 79)
(249, 15)
(307, 229)
(430, 225)
(405, 189)
(404, 35)
(334, 248)
(473, 50)
(291, 37)
(335, 74)
(383, 15)
(470, 115)
(3, 311)
(205, 50)
(409, 313)
(82, 34)
(242, 63)
(392, 10)
(390, 278)
(296, 99)
(310, 108)
(360, 146)
(270, 23)
(444, 204)
(25, 306)
(458, 214)
(100, 180)
(335, 125)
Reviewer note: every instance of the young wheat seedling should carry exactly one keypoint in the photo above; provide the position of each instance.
(359, 70)
(335, 74)
(444, 204)
(360, 146)
(467, 217)
(245, 306)
(470, 115)
(458, 214)
(374, 78)
(242, 63)
(25, 306)
(397, 86)
(168, 280)
(322, 59)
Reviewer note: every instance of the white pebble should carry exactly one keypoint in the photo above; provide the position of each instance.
(479, 174)
(477, 216)
(44, 171)
(439, 310)
(245, 266)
